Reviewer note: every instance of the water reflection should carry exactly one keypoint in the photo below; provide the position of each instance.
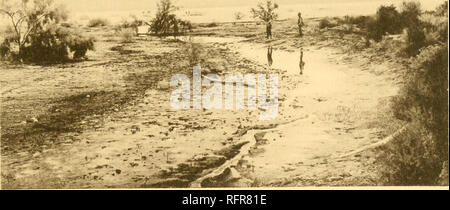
(269, 56)
(301, 63)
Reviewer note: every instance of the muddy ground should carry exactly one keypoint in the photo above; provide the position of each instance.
(107, 122)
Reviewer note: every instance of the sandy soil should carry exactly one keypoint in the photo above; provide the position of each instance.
(107, 122)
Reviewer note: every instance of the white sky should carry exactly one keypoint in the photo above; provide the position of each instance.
(130, 5)
(223, 10)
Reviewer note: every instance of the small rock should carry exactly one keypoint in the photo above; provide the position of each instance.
(335, 178)
(32, 120)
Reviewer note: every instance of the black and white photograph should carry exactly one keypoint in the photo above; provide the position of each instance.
(224, 94)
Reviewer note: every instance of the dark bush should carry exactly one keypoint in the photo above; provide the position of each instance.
(387, 20)
(211, 25)
(326, 23)
(55, 44)
(408, 161)
(166, 23)
(442, 9)
(134, 23)
(415, 40)
(417, 156)
(410, 14)
(79, 45)
(360, 21)
(98, 22)
(5, 49)
(45, 46)
(374, 31)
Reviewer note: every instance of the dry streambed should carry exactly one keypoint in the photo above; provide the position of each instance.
(333, 109)
(118, 129)
(128, 136)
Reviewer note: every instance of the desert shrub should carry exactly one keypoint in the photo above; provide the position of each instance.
(415, 40)
(442, 10)
(374, 31)
(5, 49)
(40, 34)
(422, 31)
(98, 22)
(410, 13)
(6, 45)
(266, 12)
(417, 156)
(326, 23)
(55, 44)
(166, 23)
(436, 28)
(67, 25)
(387, 20)
(211, 25)
(194, 51)
(79, 45)
(46, 46)
(408, 160)
(442, 32)
(360, 21)
(126, 34)
(133, 23)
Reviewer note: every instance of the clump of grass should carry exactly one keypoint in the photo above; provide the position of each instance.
(126, 34)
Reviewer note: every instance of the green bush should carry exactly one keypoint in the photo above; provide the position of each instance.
(98, 22)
